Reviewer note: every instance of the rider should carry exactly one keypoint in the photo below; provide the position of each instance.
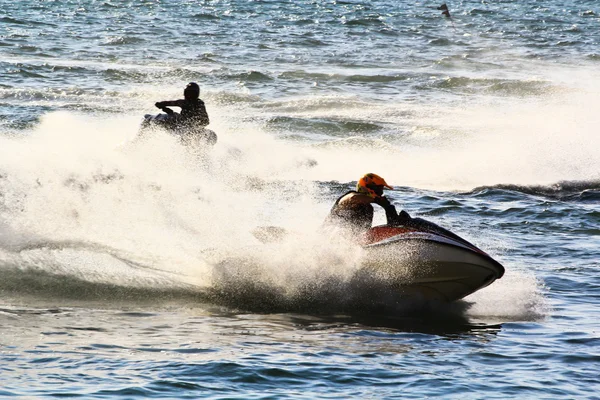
(354, 210)
(192, 107)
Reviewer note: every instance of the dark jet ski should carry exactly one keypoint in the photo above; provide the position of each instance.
(172, 122)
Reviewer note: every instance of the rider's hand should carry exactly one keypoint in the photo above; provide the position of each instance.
(401, 219)
(159, 104)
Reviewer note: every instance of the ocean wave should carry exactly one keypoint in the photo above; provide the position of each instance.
(228, 97)
(564, 190)
(28, 22)
(250, 76)
(116, 75)
(366, 21)
(42, 285)
(356, 142)
(322, 125)
(44, 70)
(82, 270)
(122, 40)
(319, 76)
(480, 12)
(304, 21)
(311, 42)
(491, 86)
(311, 104)
(568, 43)
(21, 71)
(46, 93)
(183, 73)
(441, 42)
(203, 16)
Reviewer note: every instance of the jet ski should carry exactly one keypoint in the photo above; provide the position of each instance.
(171, 122)
(426, 261)
(417, 259)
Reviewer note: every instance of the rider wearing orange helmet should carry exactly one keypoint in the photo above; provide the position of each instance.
(354, 209)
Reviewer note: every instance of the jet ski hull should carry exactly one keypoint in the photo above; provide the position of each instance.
(189, 135)
(427, 264)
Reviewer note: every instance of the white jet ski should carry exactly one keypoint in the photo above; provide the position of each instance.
(426, 261)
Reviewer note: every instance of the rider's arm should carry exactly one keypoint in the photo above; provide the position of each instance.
(390, 210)
(169, 103)
(203, 120)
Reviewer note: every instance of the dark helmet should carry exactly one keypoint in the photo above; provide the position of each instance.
(191, 91)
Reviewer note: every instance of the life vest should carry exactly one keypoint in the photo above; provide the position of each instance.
(355, 215)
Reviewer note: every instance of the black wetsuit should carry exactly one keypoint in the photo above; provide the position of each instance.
(193, 112)
(360, 216)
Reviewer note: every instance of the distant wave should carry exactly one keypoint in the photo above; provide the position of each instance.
(9, 20)
(377, 78)
(21, 71)
(311, 104)
(123, 40)
(564, 190)
(113, 75)
(229, 97)
(368, 21)
(479, 11)
(441, 42)
(206, 17)
(355, 142)
(250, 76)
(323, 125)
(43, 70)
(491, 86)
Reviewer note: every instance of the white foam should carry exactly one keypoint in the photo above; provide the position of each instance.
(481, 141)
(516, 296)
(77, 178)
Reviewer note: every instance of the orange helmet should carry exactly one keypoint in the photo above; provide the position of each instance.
(372, 185)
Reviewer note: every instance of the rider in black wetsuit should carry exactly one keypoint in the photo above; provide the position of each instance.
(193, 110)
(354, 209)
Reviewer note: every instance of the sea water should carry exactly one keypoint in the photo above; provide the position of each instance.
(129, 268)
